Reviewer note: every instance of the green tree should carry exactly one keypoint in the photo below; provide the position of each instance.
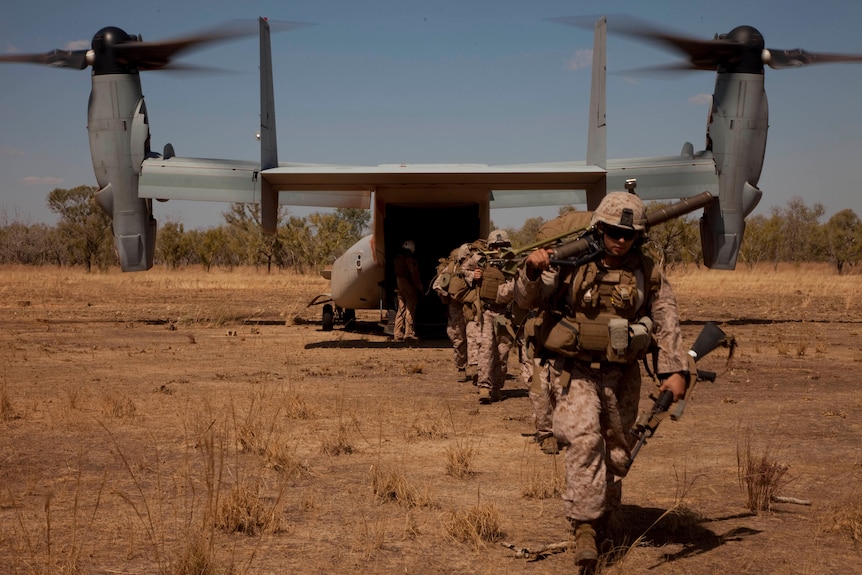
(677, 241)
(249, 242)
(799, 232)
(841, 239)
(761, 241)
(172, 245)
(84, 228)
(527, 234)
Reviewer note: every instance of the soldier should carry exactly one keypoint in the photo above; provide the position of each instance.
(449, 287)
(409, 286)
(535, 370)
(495, 328)
(606, 314)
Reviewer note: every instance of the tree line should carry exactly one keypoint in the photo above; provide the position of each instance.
(82, 237)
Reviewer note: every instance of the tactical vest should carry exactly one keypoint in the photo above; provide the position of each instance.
(492, 278)
(601, 317)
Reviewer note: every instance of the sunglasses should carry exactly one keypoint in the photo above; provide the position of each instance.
(617, 233)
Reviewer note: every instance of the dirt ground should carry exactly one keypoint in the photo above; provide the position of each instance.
(180, 422)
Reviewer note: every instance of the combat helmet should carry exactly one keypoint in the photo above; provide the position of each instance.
(622, 210)
(498, 238)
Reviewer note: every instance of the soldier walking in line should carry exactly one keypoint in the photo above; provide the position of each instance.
(409, 286)
(607, 314)
(496, 334)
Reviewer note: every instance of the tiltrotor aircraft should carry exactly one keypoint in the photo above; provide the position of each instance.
(410, 200)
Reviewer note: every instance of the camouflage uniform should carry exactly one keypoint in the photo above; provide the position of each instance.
(456, 323)
(456, 329)
(495, 334)
(409, 288)
(596, 400)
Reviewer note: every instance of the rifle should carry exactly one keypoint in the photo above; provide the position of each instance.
(710, 338)
(588, 246)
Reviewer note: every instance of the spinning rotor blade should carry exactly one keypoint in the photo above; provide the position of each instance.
(115, 51)
(740, 50)
(780, 59)
(76, 59)
(156, 55)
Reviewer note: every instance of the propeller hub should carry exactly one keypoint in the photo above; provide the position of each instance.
(748, 59)
(105, 61)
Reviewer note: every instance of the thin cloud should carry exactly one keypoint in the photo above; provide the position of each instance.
(78, 45)
(700, 99)
(42, 181)
(10, 151)
(582, 59)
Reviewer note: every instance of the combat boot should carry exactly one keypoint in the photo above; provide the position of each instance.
(586, 553)
(462, 375)
(550, 446)
(473, 373)
(496, 394)
(484, 395)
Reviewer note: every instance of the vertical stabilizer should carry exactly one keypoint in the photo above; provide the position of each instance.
(268, 146)
(597, 148)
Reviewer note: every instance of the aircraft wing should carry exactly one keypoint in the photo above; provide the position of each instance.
(326, 185)
(659, 178)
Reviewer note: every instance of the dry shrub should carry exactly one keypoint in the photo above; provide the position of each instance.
(338, 443)
(196, 558)
(476, 525)
(243, 511)
(391, 485)
(544, 483)
(282, 458)
(761, 475)
(297, 408)
(845, 518)
(459, 459)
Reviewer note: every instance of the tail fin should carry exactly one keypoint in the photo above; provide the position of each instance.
(597, 152)
(268, 145)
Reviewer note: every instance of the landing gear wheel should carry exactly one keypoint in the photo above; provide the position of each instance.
(328, 318)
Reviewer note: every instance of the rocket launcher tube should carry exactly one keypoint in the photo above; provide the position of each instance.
(575, 249)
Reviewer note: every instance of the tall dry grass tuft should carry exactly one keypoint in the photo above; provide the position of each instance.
(476, 525)
(543, 481)
(459, 459)
(392, 485)
(244, 511)
(340, 442)
(761, 475)
(844, 518)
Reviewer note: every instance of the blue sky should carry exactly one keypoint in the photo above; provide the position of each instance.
(386, 81)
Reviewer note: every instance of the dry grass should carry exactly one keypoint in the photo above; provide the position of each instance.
(476, 525)
(844, 517)
(391, 485)
(761, 475)
(214, 418)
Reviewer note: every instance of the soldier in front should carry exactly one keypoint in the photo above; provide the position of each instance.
(598, 321)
